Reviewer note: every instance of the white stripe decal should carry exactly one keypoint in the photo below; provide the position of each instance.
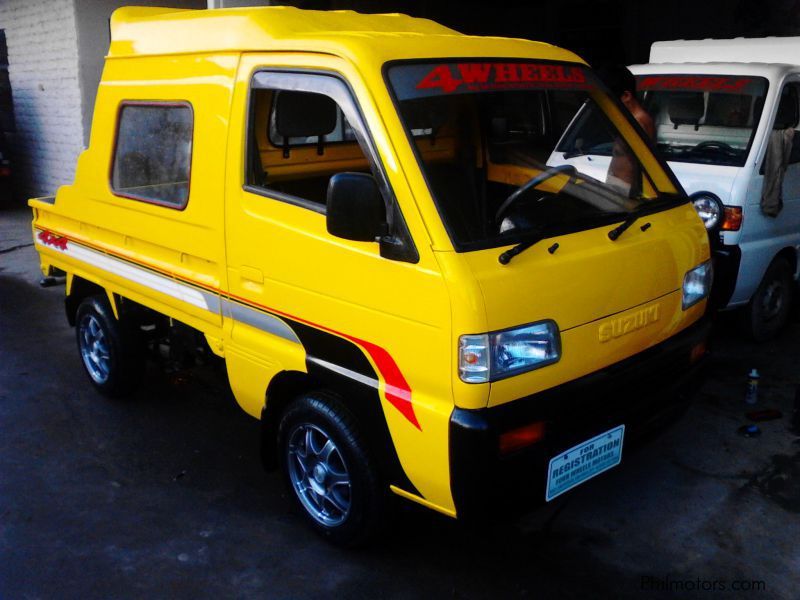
(346, 372)
(160, 283)
(202, 299)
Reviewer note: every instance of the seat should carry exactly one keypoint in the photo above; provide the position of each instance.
(686, 108)
(304, 114)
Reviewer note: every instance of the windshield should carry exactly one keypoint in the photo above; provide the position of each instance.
(485, 135)
(707, 119)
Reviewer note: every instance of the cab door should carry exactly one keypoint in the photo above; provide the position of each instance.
(369, 317)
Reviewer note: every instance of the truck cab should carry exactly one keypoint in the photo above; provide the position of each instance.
(354, 212)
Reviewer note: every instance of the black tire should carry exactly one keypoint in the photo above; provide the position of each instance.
(769, 308)
(115, 345)
(325, 416)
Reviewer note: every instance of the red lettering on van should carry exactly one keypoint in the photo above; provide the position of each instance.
(474, 72)
(701, 83)
(440, 77)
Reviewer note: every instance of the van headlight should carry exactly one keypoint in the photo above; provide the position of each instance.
(709, 208)
(697, 284)
(492, 356)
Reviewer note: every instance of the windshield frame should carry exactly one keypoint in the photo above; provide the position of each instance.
(663, 200)
(755, 127)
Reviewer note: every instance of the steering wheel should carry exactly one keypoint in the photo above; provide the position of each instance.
(713, 144)
(529, 185)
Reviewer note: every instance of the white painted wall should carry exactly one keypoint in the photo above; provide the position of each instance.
(44, 73)
(93, 39)
(55, 53)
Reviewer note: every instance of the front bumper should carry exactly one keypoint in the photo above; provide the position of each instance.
(645, 392)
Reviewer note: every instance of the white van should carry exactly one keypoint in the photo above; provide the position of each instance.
(725, 113)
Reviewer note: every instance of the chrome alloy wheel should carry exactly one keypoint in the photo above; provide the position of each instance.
(319, 475)
(94, 349)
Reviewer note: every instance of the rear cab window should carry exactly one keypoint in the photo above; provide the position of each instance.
(153, 153)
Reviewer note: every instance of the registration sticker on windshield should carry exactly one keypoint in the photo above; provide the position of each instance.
(574, 466)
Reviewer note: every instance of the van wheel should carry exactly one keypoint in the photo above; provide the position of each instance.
(329, 470)
(112, 351)
(768, 311)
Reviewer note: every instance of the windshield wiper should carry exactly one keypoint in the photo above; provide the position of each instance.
(614, 234)
(642, 210)
(506, 256)
(649, 207)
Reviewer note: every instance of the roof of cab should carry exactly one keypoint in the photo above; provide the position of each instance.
(138, 31)
(773, 72)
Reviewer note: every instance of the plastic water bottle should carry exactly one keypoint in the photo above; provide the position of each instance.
(752, 387)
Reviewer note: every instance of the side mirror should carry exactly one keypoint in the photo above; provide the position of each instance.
(355, 207)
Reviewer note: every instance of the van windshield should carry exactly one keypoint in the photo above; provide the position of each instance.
(485, 135)
(708, 119)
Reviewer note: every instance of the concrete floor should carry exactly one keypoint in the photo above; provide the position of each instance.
(163, 495)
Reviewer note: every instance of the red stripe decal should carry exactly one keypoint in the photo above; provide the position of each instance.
(398, 392)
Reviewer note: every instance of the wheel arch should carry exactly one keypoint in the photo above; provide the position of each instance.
(362, 400)
(282, 389)
(78, 289)
(790, 254)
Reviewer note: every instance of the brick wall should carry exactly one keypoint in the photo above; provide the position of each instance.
(43, 69)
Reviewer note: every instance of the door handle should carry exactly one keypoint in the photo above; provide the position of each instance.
(251, 274)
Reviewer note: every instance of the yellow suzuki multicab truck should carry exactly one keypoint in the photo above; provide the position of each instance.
(355, 213)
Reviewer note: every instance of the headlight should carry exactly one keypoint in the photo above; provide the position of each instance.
(492, 356)
(709, 207)
(697, 284)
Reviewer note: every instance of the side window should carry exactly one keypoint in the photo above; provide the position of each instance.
(298, 141)
(153, 153)
(788, 117)
(302, 130)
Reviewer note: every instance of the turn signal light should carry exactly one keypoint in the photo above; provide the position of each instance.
(520, 438)
(732, 218)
